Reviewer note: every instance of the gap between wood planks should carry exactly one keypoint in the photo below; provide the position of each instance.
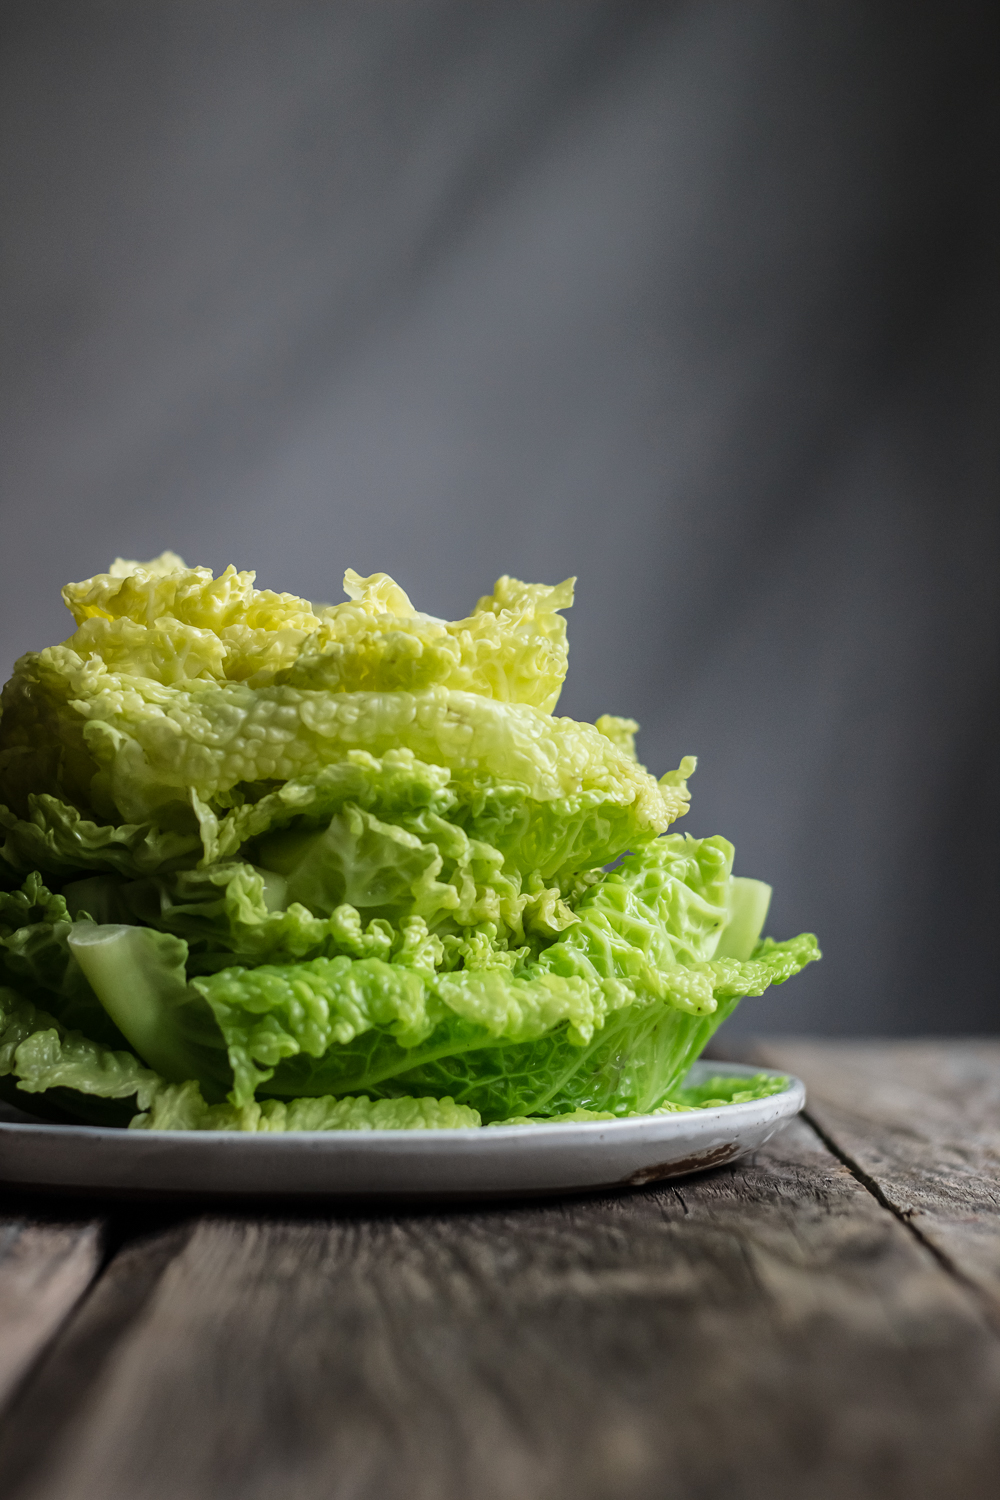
(905, 1217)
(51, 1262)
(917, 1121)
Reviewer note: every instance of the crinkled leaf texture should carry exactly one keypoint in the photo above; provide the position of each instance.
(265, 862)
(609, 1015)
(177, 683)
(84, 1080)
(181, 1107)
(63, 1075)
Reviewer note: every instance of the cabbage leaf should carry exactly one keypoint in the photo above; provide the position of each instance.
(626, 992)
(264, 861)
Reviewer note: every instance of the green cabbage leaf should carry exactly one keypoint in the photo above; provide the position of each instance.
(84, 1079)
(264, 861)
(181, 1107)
(177, 691)
(611, 1010)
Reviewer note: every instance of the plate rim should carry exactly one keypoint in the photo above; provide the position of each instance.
(550, 1130)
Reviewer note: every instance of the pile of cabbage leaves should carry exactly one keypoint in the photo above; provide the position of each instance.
(267, 866)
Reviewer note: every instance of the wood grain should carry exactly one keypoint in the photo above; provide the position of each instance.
(44, 1268)
(766, 1330)
(921, 1119)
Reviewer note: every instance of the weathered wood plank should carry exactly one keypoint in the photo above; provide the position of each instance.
(45, 1266)
(766, 1330)
(922, 1120)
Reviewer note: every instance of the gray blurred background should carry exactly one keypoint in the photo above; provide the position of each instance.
(695, 301)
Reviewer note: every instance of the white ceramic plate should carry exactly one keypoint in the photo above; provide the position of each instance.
(498, 1160)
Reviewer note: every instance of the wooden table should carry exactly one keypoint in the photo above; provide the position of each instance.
(820, 1321)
